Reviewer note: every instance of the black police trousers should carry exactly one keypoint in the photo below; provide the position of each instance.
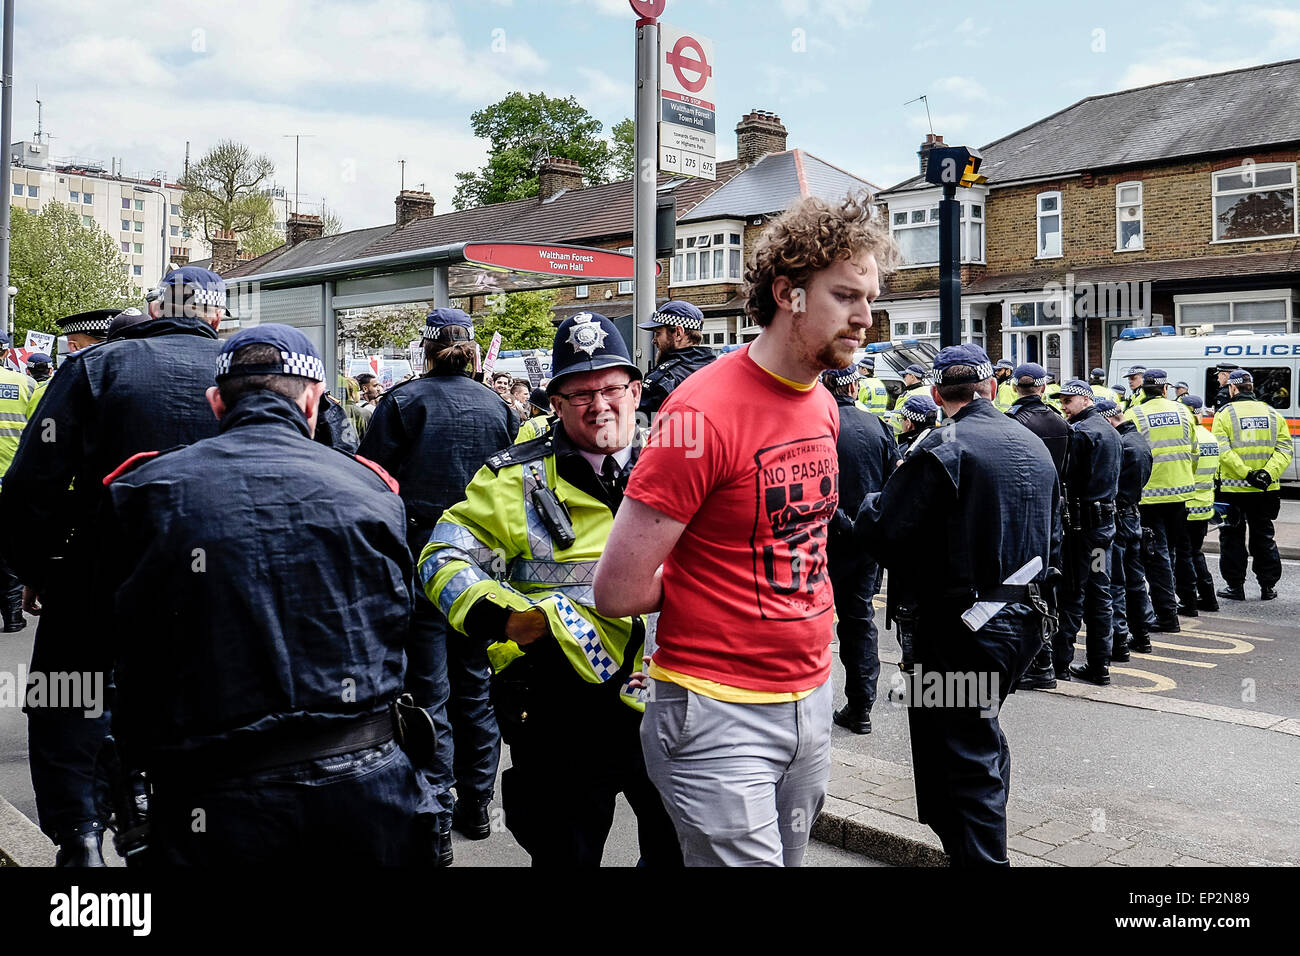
(568, 763)
(960, 759)
(64, 737)
(854, 583)
(1130, 605)
(1254, 511)
(11, 596)
(1196, 531)
(1168, 554)
(1084, 595)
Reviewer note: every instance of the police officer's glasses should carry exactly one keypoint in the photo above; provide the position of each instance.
(611, 394)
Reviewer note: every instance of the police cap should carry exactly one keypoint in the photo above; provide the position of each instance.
(914, 369)
(124, 320)
(1106, 407)
(1030, 373)
(919, 408)
(1154, 376)
(839, 377)
(1076, 386)
(451, 325)
(1182, 385)
(1239, 375)
(868, 362)
(1194, 402)
(39, 358)
(1118, 390)
(1135, 370)
(297, 354)
(537, 398)
(1225, 367)
(93, 323)
(185, 290)
(962, 356)
(588, 342)
(1006, 364)
(5, 341)
(676, 312)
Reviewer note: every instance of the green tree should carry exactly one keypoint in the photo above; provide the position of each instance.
(224, 195)
(624, 156)
(61, 267)
(522, 130)
(522, 318)
(376, 329)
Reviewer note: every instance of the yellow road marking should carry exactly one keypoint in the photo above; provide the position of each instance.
(1168, 660)
(1235, 646)
(1159, 683)
(1199, 633)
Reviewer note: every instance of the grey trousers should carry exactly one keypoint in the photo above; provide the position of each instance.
(743, 783)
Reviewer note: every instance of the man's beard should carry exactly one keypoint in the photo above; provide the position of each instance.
(835, 355)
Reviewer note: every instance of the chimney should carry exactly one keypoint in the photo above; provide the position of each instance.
(556, 175)
(931, 141)
(757, 134)
(412, 204)
(300, 228)
(224, 251)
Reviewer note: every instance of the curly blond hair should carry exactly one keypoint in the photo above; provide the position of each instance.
(807, 238)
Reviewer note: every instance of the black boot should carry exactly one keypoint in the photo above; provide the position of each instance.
(854, 719)
(1091, 674)
(470, 819)
(1119, 650)
(1041, 674)
(1267, 593)
(1233, 592)
(1140, 644)
(84, 848)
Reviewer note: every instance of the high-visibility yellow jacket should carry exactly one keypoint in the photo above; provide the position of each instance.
(1006, 396)
(1251, 436)
(919, 389)
(873, 396)
(535, 427)
(1103, 391)
(1200, 507)
(1169, 430)
(493, 547)
(15, 398)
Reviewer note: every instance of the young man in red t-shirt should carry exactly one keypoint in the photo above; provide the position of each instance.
(723, 528)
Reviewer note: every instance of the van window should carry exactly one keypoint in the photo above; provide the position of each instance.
(1272, 385)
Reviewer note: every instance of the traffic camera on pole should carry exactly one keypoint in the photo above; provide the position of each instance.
(950, 167)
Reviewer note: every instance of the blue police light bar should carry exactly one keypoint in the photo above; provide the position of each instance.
(1148, 333)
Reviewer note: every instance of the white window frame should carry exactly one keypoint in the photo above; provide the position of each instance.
(928, 200)
(1142, 216)
(1215, 193)
(905, 318)
(727, 228)
(1232, 300)
(625, 288)
(1040, 215)
(579, 291)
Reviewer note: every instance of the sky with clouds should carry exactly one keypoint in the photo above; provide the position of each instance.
(373, 81)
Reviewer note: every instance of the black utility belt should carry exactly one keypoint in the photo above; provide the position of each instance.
(360, 733)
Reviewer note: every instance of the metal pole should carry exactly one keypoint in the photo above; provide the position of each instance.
(6, 145)
(644, 185)
(949, 268)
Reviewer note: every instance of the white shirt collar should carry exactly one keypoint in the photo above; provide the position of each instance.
(597, 460)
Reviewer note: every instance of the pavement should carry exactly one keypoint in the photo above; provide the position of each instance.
(1190, 758)
(1286, 530)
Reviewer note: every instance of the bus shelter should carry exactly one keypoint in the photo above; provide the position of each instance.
(311, 297)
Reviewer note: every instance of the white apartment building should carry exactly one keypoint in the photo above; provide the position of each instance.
(142, 216)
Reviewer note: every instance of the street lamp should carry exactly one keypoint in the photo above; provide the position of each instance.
(13, 292)
(163, 197)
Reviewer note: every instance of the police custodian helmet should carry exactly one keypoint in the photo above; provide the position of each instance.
(588, 342)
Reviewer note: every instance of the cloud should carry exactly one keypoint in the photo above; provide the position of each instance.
(785, 85)
(844, 14)
(1282, 24)
(969, 33)
(962, 87)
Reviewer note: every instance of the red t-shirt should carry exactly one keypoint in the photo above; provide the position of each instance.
(748, 464)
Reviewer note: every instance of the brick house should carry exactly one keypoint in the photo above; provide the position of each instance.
(717, 222)
(1173, 204)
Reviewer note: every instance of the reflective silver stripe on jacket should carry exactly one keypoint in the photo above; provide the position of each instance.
(573, 579)
(539, 539)
(1167, 492)
(461, 545)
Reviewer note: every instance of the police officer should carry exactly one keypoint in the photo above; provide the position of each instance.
(1223, 372)
(335, 427)
(1131, 608)
(1097, 382)
(16, 403)
(1171, 433)
(1052, 395)
(1180, 392)
(563, 688)
(1255, 449)
(1030, 410)
(542, 417)
(872, 393)
(990, 500)
(1200, 509)
(917, 417)
(678, 333)
(105, 404)
(1091, 480)
(40, 367)
(913, 384)
(1006, 395)
(866, 452)
(127, 319)
(260, 640)
(433, 433)
(86, 328)
(1134, 377)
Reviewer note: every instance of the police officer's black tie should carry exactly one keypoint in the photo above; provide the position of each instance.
(609, 478)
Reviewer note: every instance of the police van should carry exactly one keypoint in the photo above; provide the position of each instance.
(1273, 360)
(893, 357)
